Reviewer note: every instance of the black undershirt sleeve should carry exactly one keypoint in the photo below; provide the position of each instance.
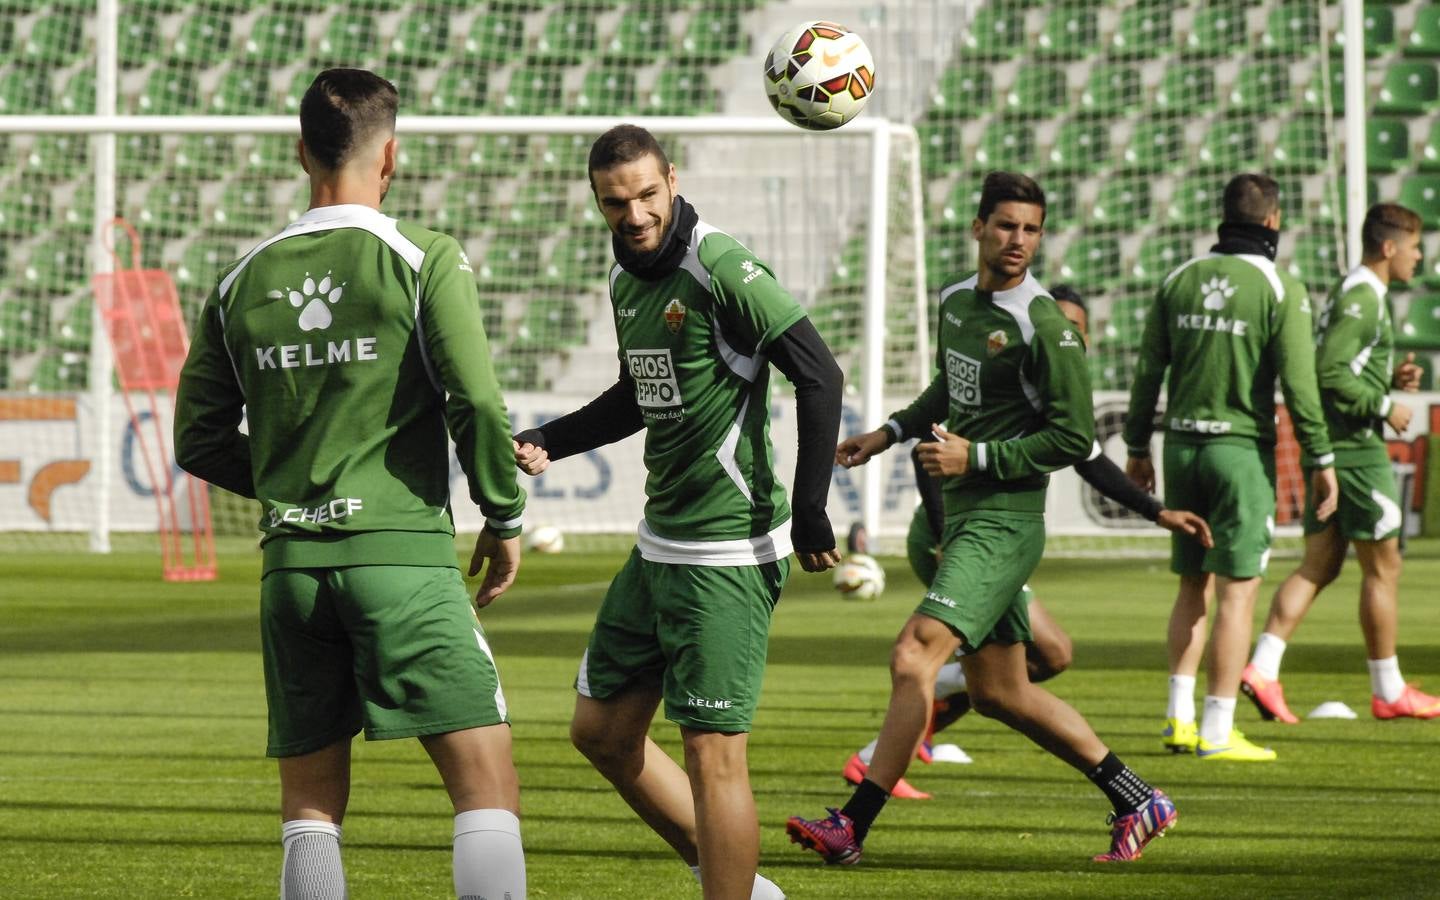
(802, 356)
(1110, 480)
(929, 488)
(608, 418)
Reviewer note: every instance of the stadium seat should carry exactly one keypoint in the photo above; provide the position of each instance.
(532, 91)
(170, 209)
(540, 204)
(1080, 146)
(465, 205)
(78, 95)
(201, 262)
(1195, 202)
(1112, 89)
(1154, 147)
(242, 90)
(1425, 35)
(244, 209)
(508, 264)
(1316, 260)
(60, 370)
(567, 37)
(24, 90)
(169, 91)
(74, 328)
(1160, 255)
(1144, 32)
(56, 157)
(460, 90)
(1186, 89)
(1261, 87)
(1126, 323)
(963, 92)
(941, 147)
(138, 156)
(426, 154)
(947, 258)
(1421, 325)
(714, 35)
(57, 266)
(1231, 145)
(1123, 204)
(606, 91)
(56, 40)
(271, 156)
(1292, 30)
(1301, 146)
(577, 261)
(1217, 30)
(1387, 144)
(566, 155)
(203, 155)
(350, 39)
(204, 40)
(1292, 199)
(995, 33)
(139, 36)
(496, 37)
(1379, 32)
(551, 322)
(1410, 88)
(519, 368)
(1038, 88)
(497, 154)
(23, 324)
(275, 39)
(421, 38)
(406, 199)
(1062, 203)
(1109, 371)
(7, 34)
(638, 39)
(1071, 32)
(681, 91)
(78, 215)
(1316, 97)
(1422, 194)
(1007, 144)
(1091, 264)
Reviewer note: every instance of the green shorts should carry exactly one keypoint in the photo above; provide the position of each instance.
(1231, 485)
(920, 542)
(699, 632)
(396, 649)
(1369, 508)
(979, 590)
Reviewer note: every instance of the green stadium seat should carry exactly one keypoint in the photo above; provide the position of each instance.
(421, 39)
(57, 266)
(1421, 325)
(1301, 145)
(1080, 146)
(299, 83)
(204, 39)
(495, 37)
(1144, 32)
(1231, 145)
(1410, 88)
(23, 324)
(271, 156)
(1292, 30)
(552, 322)
(497, 154)
(7, 35)
(577, 261)
(941, 147)
(1429, 160)
(1159, 255)
(606, 91)
(243, 90)
(1317, 97)
(1123, 204)
(465, 205)
(1071, 32)
(518, 368)
(1261, 87)
(244, 209)
(378, 6)
(57, 157)
(563, 155)
(1387, 144)
(1110, 371)
(532, 91)
(170, 210)
(540, 203)
(1038, 89)
(1062, 203)
(963, 92)
(567, 37)
(995, 33)
(1091, 264)
(78, 96)
(958, 210)
(714, 35)
(203, 155)
(168, 91)
(492, 314)
(275, 39)
(682, 92)
(509, 263)
(200, 263)
(406, 199)
(1126, 323)
(78, 215)
(350, 39)
(24, 90)
(638, 38)
(138, 156)
(1186, 89)
(1379, 32)
(1425, 35)
(1422, 194)
(1196, 200)
(1292, 199)
(139, 36)
(1316, 260)
(1328, 214)
(1217, 31)
(460, 90)
(56, 40)
(947, 258)
(61, 370)
(1112, 89)
(426, 154)
(1007, 144)
(73, 330)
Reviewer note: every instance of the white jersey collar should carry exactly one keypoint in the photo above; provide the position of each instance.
(1363, 274)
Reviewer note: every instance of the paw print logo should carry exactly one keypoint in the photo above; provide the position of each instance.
(314, 298)
(1217, 291)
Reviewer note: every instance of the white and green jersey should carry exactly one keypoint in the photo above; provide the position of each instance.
(350, 342)
(1354, 358)
(694, 343)
(1225, 325)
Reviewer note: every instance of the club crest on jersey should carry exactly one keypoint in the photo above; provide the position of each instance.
(674, 315)
(996, 341)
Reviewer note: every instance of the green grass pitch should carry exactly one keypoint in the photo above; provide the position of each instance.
(133, 731)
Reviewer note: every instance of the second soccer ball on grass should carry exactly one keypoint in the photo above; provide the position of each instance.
(859, 577)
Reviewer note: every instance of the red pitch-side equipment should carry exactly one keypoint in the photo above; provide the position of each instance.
(141, 311)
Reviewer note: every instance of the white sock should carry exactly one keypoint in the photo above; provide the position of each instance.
(950, 681)
(312, 869)
(1182, 698)
(1385, 680)
(867, 752)
(1268, 651)
(764, 888)
(489, 861)
(1218, 720)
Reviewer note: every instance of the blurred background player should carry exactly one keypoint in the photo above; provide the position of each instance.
(1009, 364)
(1225, 325)
(349, 342)
(1049, 652)
(699, 321)
(1355, 364)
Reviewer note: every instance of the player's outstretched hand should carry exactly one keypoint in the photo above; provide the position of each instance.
(947, 456)
(1183, 521)
(531, 460)
(818, 562)
(1141, 470)
(1327, 492)
(857, 450)
(1407, 374)
(504, 556)
(1399, 417)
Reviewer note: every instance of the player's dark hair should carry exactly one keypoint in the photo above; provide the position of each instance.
(1064, 293)
(625, 144)
(1009, 187)
(1250, 198)
(1386, 222)
(342, 110)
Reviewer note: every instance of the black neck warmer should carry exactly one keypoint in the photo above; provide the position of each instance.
(1247, 237)
(666, 258)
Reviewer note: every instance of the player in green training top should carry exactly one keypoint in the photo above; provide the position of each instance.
(1014, 388)
(349, 342)
(1225, 324)
(699, 319)
(1356, 367)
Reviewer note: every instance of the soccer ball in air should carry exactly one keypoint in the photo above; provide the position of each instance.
(859, 577)
(546, 539)
(819, 75)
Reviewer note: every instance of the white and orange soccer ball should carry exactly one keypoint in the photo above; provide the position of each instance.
(859, 577)
(819, 75)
